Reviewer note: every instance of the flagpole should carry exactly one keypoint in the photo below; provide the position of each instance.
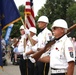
(24, 38)
(26, 60)
(29, 37)
(26, 14)
(23, 23)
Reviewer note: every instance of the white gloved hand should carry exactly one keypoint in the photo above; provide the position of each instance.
(24, 55)
(32, 59)
(27, 32)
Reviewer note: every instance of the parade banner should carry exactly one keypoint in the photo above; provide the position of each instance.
(1, 62)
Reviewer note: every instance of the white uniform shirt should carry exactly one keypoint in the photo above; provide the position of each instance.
(29, 47)
(62, 52)
(21, 44)
(43, 38)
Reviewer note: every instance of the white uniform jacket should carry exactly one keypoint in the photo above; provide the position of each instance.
(29, 47)
(62, 52)
(43, 38)
(21, 44)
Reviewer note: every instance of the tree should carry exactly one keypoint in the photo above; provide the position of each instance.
(71, 17)
(55, 9)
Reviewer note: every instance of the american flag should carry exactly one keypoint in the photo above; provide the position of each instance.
(29, 14)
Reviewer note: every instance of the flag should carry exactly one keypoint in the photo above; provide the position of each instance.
(8, 33)
(1, 62)
(29, 14)
(9, 13)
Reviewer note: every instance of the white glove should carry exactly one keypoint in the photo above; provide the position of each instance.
(27, 32)
(24, 55)
(32, 59)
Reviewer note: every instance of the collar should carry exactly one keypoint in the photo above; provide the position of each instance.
(62, 38)
(40, 30)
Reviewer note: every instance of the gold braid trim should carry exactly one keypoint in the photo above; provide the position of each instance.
(12, 22)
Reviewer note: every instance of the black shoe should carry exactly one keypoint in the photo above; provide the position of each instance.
(15, 63)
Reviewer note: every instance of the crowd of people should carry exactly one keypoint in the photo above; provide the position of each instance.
(60, 57)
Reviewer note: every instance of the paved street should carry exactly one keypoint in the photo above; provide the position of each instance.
(14, 69)
(10, 70)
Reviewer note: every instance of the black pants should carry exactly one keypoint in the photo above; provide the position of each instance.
(31, 68)
(23, 66)
(41, 68)
(59, 74)
(26, 66)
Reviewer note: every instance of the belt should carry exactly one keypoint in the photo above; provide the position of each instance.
(21, 57)
(58, 70)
